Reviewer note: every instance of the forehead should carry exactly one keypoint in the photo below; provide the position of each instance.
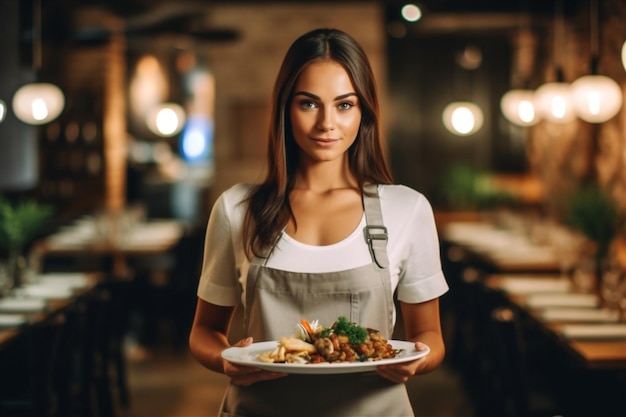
(324, 75)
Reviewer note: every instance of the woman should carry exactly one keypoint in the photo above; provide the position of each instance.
(325, 235)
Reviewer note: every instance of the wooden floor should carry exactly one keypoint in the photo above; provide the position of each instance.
(165, 383)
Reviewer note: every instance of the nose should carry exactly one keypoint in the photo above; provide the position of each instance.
(326, 119)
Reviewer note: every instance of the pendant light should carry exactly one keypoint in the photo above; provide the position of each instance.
(554, 99)
(168, 118)
(464, 118)
(38, 103)
(624, 55)
(518, 104)
(597, 98)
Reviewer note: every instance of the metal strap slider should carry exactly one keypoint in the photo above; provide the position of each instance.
(371, 235)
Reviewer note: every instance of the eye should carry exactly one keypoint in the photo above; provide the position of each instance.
(346, 105)
(307, 104)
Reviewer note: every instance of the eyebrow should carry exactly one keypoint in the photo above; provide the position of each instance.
(313, 96)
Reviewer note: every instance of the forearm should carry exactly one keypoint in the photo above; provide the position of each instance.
(422, 324)
(208, 337)
(434, 341)
(206, 346)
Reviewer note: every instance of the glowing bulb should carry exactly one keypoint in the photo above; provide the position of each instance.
(166, 119)
(411, 13)
(596, 98)
(555, 102)
(558, 106)
(39, 109)
(519, 107)
(462, 118)
(38, 103)
(526, 111)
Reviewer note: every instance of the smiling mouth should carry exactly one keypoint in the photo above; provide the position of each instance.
(324, 141)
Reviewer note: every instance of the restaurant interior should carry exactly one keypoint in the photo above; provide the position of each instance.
(121, 122)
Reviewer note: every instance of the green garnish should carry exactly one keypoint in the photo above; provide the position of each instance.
(342, 327)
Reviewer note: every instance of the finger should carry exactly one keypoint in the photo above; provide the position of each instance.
(392, 375)
(420, 346)
(245, 380)
(244, 342)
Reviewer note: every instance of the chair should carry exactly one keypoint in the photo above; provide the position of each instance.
(27, 379)
(91, 367)
(519, 389)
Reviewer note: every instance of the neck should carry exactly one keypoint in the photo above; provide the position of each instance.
(325, 176)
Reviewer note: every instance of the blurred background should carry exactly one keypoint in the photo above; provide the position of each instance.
(121, 121)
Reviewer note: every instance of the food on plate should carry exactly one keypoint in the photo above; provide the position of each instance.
(343, 341)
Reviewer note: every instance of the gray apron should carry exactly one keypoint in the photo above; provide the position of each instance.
(276, 300)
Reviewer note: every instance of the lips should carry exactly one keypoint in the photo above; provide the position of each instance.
(324, 141)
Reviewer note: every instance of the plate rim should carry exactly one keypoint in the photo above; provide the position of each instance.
(230, 354)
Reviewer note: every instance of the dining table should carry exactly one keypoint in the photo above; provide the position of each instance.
(113, 237)
(519, 294)
(500, 248)
(44, 297)
(592, 333)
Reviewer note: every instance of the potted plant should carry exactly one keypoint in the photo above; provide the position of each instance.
(19, 224)
(593, 212)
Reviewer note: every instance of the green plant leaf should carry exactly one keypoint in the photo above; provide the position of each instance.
(21, 222)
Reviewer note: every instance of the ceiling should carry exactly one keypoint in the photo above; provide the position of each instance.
(133, 8)
(151, 17)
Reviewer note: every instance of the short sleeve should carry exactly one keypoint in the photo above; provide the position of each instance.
(219, 279)
(420, 275)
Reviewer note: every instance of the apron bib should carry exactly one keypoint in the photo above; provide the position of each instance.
(276, 300)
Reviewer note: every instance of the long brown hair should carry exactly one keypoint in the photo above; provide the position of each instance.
(269, 210)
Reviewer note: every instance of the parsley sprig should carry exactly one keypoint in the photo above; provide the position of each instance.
(342, 327)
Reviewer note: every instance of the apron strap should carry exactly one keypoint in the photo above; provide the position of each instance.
(375, 232)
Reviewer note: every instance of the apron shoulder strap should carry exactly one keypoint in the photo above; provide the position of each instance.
(375, 232)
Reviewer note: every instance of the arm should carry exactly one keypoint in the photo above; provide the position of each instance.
(423, 326)
(209, 332)
(208, 338)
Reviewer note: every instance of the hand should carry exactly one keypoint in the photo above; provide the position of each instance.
(248, 375)
(401, 372)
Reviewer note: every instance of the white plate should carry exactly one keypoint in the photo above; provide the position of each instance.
(11, 320)
(22, 305)
(247, 356)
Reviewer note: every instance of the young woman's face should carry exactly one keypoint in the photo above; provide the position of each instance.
(325, 112)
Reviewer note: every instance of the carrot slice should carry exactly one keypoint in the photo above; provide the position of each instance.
(307, 327)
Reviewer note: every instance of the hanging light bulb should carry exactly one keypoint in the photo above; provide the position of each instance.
(166, 119)
(555, 102)
(554, 99)
(597, 98)
(518, 106)
(624, 55)
(38, 103)
(462, 118)
(3, 110)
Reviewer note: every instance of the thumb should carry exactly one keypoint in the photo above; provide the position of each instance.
(244, 342)
(420, 346)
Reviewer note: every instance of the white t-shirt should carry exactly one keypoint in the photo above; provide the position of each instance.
(412, 248)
